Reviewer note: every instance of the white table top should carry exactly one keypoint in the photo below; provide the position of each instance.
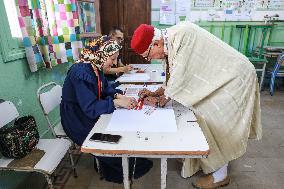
(133, 77)
(188, 141)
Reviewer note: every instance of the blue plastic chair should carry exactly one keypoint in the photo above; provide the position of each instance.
(276, 72)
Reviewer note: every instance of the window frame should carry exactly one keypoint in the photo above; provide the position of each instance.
(11, 48)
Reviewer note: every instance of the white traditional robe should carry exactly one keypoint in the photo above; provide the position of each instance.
(221, 85)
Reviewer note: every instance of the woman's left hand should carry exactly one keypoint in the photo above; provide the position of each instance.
(130, 101)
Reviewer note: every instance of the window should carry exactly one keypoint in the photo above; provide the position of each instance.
(10, 8)
(10, 43)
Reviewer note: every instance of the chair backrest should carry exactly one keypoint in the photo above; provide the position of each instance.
(254, 39)
(49, 96)
(51, 99)
(8, 112)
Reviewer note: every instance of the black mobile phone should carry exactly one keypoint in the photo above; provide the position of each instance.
(100, 137)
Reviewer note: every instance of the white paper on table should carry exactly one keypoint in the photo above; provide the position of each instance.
(134, 77)
(161, 120)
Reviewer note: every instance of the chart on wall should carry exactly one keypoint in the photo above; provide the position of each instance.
(236, 10)
(173, 11)
(256, 4)
(167, 12)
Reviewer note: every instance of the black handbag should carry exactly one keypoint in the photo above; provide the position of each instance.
(20, 139)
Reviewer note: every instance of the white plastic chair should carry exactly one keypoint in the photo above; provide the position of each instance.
(55, 149)
(48, 101)
(49, 96)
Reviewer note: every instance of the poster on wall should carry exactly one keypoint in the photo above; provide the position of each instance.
(235, 10)
(230, 8)
(276, 4)
(167, 12)
(248, 9)
(203, 3)
(261, 4)
(182, 9)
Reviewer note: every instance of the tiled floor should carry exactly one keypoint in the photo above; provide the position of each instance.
(262, 167)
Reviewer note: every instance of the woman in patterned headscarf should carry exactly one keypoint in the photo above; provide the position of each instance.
(86, 94)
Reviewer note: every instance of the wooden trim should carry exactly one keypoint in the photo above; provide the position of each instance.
(125, 152)
(90, 35)
(149, 10)
(86, 1)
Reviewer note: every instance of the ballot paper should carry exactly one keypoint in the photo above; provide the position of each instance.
(159, 120)
(134, 77)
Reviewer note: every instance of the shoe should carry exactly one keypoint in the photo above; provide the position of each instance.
(207, 182)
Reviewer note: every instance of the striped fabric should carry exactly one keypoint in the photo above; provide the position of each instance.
(51, 32)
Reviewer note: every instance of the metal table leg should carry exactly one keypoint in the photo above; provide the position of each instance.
(163, 173)
(125, 173)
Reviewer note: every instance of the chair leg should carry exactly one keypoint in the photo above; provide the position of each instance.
(262, 76)
(49, 181)
(271, 85)
(98, 167)
(274, 73)
(72, 164)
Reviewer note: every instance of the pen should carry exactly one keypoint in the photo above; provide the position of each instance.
(124, 92)
(145, 69)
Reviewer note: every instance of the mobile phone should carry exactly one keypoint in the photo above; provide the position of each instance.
(100, 137)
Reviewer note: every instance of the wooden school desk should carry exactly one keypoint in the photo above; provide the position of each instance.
(188, 142)
(133, 77)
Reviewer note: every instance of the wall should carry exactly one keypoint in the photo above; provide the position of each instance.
(19, 85)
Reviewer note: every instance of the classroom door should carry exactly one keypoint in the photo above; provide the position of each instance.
(128, 15)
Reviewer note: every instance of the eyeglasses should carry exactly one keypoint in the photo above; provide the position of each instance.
(147, 57)
(120, 39)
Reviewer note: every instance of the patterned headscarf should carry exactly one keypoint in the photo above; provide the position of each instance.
(98, 51)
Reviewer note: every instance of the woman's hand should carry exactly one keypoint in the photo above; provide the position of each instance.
(127, 68)
(125, 102)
